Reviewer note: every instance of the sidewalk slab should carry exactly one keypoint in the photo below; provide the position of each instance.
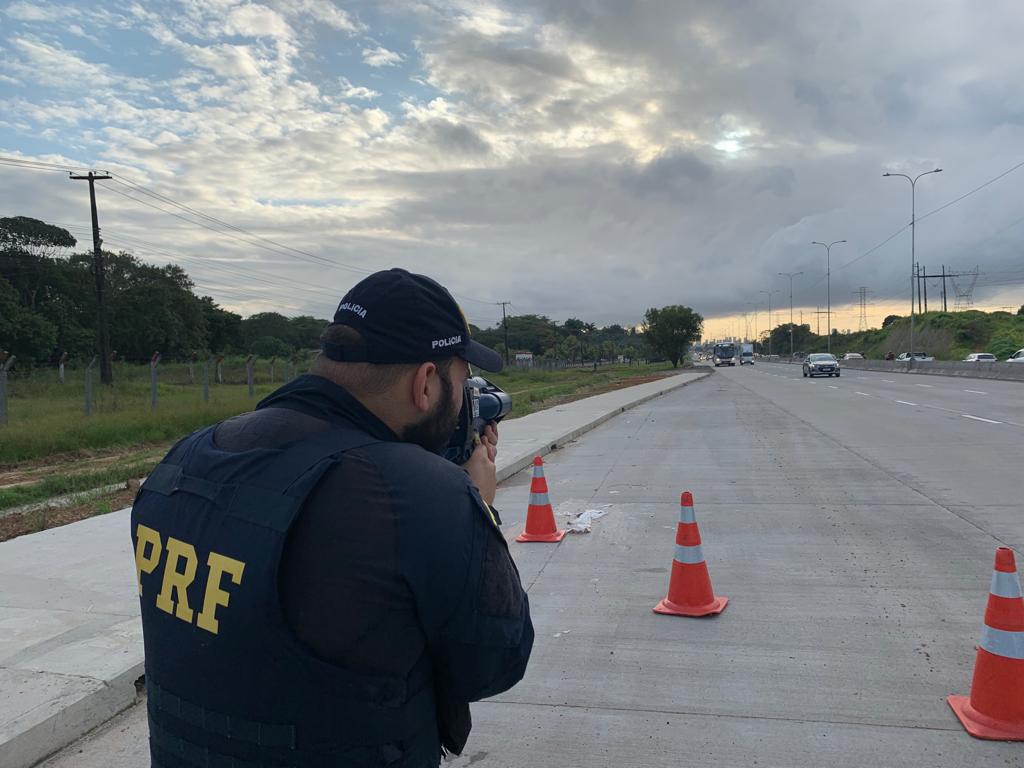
(70, 635)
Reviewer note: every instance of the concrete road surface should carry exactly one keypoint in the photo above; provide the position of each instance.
(854, 535)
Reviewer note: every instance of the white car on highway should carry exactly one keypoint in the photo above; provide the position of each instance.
(980, 357)
(853, 356)
(921, 357)
(1016, 357)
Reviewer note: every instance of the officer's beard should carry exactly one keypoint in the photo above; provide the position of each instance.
(435, 429)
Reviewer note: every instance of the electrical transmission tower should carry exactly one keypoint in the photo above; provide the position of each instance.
(862, 296)
(963, 287)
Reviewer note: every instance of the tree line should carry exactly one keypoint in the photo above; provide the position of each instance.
(48, 309)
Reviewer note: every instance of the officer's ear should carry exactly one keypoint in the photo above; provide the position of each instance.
(424, 383)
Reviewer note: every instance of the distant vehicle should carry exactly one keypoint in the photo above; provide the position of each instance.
(921, 357)
(746, 354)
(724, 354)
(980, 357)
(821, 364)
(799, 355)
(1016, 357)
(853, 356)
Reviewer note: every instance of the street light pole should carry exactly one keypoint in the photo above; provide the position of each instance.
(753, 305)
(790, 275)
(769, 320)
(828, 286)
(913, 234)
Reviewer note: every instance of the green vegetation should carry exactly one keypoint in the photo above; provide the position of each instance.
(48, 310)
(671, 330)
(76, 482)
(47, 418)
(946, 335)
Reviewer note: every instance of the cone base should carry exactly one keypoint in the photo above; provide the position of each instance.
(981, 726)
(549, 538)
(668, 608)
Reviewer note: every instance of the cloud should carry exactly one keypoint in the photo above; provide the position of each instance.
(23, 11)
(321, 12)
(587, 158)
(381, 57)
(350, 91)
(257, 21)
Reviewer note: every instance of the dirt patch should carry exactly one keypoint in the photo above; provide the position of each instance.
(31, 471)
(21, 523)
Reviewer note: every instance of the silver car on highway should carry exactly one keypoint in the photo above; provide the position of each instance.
(821, 364)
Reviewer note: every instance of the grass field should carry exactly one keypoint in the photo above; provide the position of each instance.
(48, 423)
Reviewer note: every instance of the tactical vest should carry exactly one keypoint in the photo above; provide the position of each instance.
(228, 683)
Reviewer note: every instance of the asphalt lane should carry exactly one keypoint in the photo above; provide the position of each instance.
(857, 590)
(958, 442)
(987, 399)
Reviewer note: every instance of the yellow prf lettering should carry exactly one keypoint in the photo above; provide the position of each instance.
(215, 596)
(176, 582)
(146, 563)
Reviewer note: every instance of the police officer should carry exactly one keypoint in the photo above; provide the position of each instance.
(318, 586)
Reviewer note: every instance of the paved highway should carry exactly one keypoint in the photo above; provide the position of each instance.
(854, 535)
(958, 442)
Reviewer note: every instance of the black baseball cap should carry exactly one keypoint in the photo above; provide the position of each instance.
(406, 318)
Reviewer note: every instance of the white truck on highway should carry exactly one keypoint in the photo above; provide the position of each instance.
(746, 353)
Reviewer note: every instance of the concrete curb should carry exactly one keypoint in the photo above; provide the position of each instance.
(77, 686)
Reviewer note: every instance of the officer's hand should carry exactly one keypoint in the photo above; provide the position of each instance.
(490, 439)
(481, 469)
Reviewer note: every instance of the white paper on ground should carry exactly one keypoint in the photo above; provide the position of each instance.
(580, 523)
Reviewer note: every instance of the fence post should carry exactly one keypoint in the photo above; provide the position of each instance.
(88, 386)
(272, 361)
(3, 389)
(220, 369)
(248, 374)
(60, 367)
(206, 380)
(153, 363)
(191, 365)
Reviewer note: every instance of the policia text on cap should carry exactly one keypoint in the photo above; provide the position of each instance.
(318, 586)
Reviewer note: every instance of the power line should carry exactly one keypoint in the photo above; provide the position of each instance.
(213, 221)
(976, 189)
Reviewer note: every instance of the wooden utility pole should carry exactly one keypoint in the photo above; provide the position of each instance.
(504, 322)
(102, 331)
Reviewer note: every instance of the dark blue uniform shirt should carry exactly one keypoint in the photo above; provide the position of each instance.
(393, 555)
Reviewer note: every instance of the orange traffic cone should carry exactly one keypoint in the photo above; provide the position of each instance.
(995, 709)
(689, 588)
(540, 517)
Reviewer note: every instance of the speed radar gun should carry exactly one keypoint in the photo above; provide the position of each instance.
(482, 403)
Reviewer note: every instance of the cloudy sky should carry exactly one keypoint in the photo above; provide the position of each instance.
(586, 158)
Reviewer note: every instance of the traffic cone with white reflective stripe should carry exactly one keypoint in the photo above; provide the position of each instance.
(540, 517)
(689, 587)
(995, 709)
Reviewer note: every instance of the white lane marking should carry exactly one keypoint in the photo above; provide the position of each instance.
(863, 378)
(888, 381)
(930, 386)
(832, 386)
(865, 394)
(939, 408)
(978, 418)
(904, 402)
(975, 392)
